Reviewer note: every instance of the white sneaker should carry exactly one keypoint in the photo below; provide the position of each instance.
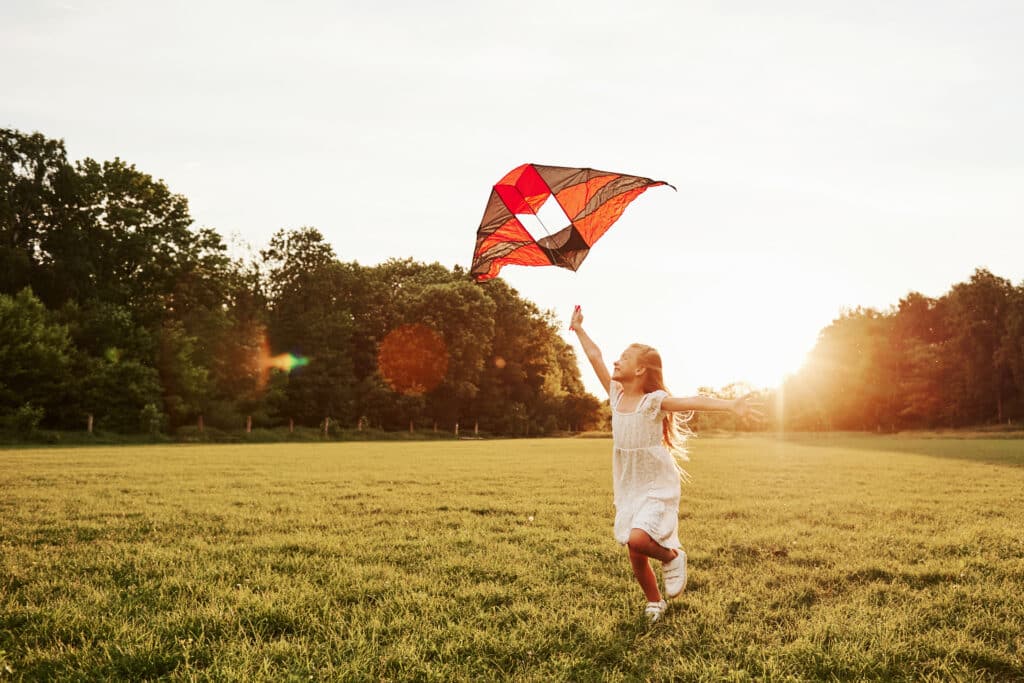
(674, 573)
(654, 610)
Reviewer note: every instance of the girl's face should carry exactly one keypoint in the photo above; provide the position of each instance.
(626, 367)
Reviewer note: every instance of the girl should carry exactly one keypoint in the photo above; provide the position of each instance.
(647, 433)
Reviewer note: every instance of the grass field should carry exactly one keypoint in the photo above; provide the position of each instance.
(811, 558)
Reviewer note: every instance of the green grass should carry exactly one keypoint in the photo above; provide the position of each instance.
(846, 558)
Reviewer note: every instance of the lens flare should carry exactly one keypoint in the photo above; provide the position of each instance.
(287, 361)
(265, 362)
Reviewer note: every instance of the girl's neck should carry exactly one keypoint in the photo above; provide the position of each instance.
(632, 388)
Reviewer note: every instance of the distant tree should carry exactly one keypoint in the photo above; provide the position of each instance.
(1010, 354)
(308, 316)
(288, 260)
(114, 391)
(184, 379)
(34, 354)
(105, 329)
(463, 315)
(977, 315)
(581, 412)
(919, 338)
(509, 376)
(370, 300)
(844, 372)
(141, 243)
(37, 193)
(923, 397)
(112, 374)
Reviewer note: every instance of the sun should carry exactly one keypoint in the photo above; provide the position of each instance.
(760, 341)
(760, 346)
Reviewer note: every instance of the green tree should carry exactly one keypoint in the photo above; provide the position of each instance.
(505, 380)
(463, 315)
(34, 354)
(290, 257)
(1011, 350)
(307, 316)
(111, 374)
(919, 337)
(581, 412)
(141, 238)
(115, 391)
(921, 382)
(977, 313)
(183, 379)
(37, 187)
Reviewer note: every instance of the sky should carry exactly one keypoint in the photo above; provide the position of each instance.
(827, 154)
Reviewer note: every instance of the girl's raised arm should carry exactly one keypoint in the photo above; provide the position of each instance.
(590, 348)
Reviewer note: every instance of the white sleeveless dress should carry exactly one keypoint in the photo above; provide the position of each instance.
(645, 478)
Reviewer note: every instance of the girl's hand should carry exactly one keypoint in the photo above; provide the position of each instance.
(745, 408)
(576, 322)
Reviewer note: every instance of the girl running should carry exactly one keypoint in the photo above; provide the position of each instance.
(648, 431)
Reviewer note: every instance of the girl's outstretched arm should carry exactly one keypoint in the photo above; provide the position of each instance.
(743, 406)
(590, 348)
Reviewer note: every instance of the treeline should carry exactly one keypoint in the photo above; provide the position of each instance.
(116, 311)
(925, 363)
(954, 361)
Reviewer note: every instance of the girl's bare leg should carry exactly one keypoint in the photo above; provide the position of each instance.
(641, 547)
(644, 575)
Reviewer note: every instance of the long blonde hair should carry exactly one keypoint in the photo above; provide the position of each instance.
(675, 428)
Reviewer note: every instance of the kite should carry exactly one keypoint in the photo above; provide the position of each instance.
(550, 216)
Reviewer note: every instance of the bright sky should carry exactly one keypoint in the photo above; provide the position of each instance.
(827, 153)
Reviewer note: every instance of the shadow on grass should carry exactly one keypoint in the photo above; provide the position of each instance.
(992, 451)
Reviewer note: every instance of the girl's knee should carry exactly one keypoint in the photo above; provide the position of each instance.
(638, 539)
